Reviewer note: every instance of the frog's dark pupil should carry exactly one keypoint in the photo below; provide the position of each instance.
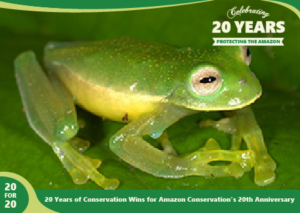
(248, 52)
(206, 80)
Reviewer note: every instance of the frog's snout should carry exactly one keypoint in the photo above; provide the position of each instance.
(249, 88)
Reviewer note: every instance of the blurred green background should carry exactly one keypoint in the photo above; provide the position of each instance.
(277, 111)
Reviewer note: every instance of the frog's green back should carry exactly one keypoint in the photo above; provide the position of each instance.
(123, 78)
(124, 64)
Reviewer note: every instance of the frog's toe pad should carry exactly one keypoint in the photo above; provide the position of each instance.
(78, 176)
(264, 176)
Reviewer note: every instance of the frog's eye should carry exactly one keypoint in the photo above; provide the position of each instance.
(206, 81)
(246, 54)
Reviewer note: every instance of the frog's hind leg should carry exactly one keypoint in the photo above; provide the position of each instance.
(129, 145)
(51, 113)
(242, 125)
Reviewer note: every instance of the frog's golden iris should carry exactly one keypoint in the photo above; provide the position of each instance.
(206, 81)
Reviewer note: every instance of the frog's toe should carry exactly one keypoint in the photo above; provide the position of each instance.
(79, 144)
(264, 176)
(95, 162)
(82, 168)
(80, 177)
(211, 144)
(104, 182)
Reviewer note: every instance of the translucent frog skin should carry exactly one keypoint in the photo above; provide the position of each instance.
(151, 86)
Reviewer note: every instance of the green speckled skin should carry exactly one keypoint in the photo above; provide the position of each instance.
(156, 70)
(150, 85)
(120, 63)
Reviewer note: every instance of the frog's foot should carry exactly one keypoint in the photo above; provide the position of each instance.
(212, 152)
(166, 144)
(228, 125)
(212, 144)
(80, 167)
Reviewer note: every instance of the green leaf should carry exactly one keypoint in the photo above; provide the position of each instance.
(277, 111)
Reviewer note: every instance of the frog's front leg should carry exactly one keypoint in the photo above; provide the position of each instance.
(129, 145)
(242, 125)
(51, 113)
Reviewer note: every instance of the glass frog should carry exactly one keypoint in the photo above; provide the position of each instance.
(150, 86)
